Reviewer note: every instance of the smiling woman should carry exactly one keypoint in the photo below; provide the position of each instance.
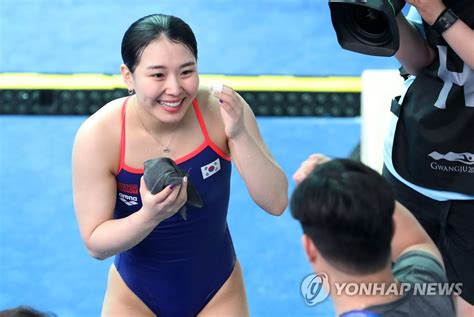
(165, 265)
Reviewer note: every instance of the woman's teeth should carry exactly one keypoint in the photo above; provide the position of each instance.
(171, 104)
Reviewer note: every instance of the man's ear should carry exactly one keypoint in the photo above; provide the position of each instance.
(127, 77)
(309, 248)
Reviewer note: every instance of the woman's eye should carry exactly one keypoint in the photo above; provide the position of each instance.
(159, 75)
(188, 71)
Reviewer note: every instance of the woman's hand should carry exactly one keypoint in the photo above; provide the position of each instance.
(165, 203)
(232, 111)
(429, 9)
(265, 180)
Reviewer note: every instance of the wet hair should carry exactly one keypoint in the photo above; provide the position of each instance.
(151, 27)
(346, 208)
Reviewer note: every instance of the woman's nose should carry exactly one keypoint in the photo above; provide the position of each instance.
(173, 86)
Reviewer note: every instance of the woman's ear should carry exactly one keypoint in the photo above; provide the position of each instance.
(309, 248)
(127, 77)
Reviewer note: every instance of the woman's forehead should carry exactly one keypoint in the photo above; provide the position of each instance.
(165, 51)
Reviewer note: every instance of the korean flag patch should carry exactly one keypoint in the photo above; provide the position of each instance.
(211, 168)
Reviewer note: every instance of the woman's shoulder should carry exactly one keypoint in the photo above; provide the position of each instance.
(98, 138)
(104, 126)
(107, 118)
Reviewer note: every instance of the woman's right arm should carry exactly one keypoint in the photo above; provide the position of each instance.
(414, 53)
(95, 191)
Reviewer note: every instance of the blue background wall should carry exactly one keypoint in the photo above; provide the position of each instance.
(250, 37)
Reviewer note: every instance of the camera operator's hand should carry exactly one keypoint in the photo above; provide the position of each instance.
(429, 9)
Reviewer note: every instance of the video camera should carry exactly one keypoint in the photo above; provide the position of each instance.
(367, 26)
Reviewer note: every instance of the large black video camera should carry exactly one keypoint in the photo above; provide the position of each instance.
(367, 26)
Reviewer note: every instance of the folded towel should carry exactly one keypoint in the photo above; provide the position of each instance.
(163, 171)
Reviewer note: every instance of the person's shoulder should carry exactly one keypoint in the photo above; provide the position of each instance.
(98, 138)
(106, 118)
(419, 266)
(103, 127)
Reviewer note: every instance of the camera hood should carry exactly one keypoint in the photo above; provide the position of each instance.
(367, 27)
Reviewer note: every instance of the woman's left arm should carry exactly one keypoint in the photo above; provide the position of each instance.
(265, 180)
(460, 37)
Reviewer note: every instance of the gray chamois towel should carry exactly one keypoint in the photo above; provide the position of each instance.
(163, 171)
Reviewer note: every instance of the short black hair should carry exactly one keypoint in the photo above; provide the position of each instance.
(24, 311)
(346, 208)
(151, 27)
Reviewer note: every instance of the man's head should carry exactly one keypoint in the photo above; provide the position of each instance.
(346, 210)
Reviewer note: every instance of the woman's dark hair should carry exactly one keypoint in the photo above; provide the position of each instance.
(151, 27)
(346, 208)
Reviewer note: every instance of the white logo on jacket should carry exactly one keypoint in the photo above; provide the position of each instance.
(465, 157)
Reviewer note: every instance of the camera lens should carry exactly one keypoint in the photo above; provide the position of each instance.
(369, 20)
(369, 26)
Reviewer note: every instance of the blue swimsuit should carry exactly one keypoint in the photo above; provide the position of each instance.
(180, 265)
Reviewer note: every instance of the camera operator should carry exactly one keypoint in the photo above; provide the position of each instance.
(429, 151)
